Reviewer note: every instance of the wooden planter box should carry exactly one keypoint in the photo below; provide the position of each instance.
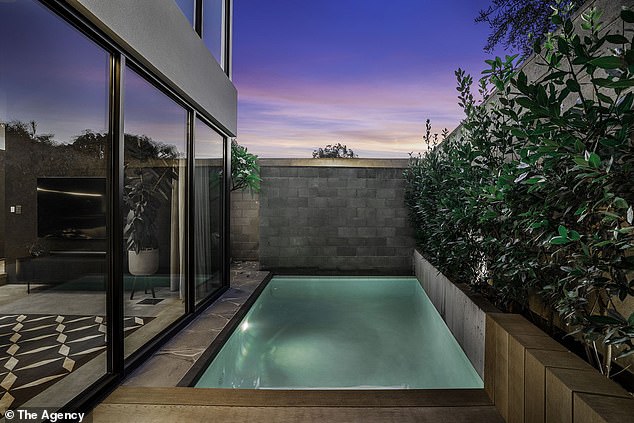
(529, 376)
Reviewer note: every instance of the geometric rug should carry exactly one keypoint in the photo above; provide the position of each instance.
(38, 350)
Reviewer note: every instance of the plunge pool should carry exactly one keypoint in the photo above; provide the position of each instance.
(341, 333)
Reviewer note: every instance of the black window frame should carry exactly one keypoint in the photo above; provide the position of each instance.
(227, 29)
(119, 367)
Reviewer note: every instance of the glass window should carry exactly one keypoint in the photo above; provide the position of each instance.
(54, 152)
(214, 28)
(155, 199)
(187, 7)
(208, 186)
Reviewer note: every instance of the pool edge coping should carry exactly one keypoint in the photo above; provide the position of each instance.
(197, 369)
(201, 364)
(345, 398)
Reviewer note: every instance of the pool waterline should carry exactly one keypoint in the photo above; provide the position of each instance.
(341, 333)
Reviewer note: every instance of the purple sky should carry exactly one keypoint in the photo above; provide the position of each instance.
(365, 73)
(308, 74)
(71, 96)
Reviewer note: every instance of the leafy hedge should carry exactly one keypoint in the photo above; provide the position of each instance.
(535, 193)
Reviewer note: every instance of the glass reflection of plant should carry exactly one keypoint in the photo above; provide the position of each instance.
(150, 174)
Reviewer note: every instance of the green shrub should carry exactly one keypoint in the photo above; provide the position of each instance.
(536, 191)
(245, 170)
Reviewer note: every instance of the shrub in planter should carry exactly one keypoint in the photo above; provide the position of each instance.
(536, 191)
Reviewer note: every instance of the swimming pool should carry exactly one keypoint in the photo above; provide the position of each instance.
(341, 333)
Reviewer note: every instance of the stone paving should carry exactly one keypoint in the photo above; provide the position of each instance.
(151, 394)
(170, 363)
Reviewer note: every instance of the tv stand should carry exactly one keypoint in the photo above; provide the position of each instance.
(60, 267)
(77, 253)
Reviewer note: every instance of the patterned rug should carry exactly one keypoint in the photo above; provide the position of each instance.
(38, 350)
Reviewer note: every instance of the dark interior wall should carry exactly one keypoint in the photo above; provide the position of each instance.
(24, 161)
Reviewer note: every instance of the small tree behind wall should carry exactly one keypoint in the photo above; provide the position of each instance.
(337, 151)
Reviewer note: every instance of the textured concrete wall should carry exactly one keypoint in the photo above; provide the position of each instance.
(157, 34)
(328, 217)
(245, 225)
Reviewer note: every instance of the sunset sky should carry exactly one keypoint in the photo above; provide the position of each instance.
(366, 73)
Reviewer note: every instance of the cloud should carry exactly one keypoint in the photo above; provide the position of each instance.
(292, 118)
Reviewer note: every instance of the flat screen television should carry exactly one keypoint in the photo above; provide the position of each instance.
(71, 208)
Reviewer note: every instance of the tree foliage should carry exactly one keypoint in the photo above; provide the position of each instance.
(515, 24)
(337, 151)
(245, 170)
(536, 193)
(150, 172)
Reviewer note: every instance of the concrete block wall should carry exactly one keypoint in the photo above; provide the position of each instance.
(245, 225)
(327, 216)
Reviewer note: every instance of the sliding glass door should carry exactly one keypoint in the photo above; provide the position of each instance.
(154, 194)
(55, 149)
(208, 216)
(100, 206)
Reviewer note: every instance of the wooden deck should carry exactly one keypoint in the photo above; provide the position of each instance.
(143, 404)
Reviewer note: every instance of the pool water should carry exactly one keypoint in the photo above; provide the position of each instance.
(341, 333)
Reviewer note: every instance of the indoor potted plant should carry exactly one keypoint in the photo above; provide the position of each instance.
(147, 187)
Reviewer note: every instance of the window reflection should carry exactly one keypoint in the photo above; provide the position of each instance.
(54, 149)
(213, 28)
(154, 195)
(208, 210)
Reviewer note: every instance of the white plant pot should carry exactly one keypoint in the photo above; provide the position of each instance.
(144, 263)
